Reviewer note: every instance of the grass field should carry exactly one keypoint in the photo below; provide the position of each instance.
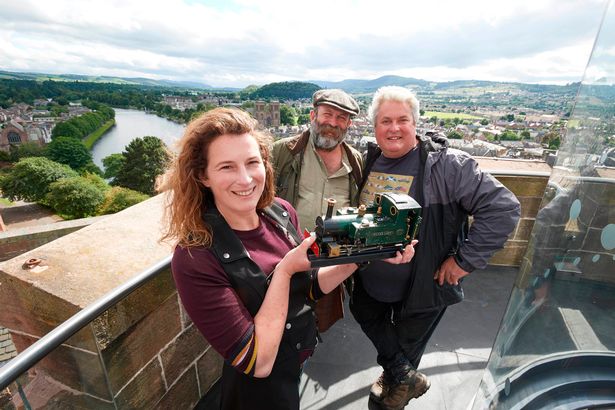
(93, 137)
(573, 123)
(451, 115)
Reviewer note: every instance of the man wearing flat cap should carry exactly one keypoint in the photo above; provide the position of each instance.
(317, 165)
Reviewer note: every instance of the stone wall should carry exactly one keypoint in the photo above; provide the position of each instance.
(17, 241)
(529, 191)
(142, 353)
(527, 179)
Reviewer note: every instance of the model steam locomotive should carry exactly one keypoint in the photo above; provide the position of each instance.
(359, 234)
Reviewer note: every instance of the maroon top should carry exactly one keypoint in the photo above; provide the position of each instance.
(209, 298)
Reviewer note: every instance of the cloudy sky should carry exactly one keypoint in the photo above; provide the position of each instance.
(240, 42)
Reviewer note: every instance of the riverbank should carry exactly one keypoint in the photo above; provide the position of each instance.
(131, 124)
(91, 139)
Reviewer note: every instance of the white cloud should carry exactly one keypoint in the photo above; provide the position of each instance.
(235, 43)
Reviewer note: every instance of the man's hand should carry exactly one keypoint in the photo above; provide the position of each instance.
(449, 272)
(404, 257)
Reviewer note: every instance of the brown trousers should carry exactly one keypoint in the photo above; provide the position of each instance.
(330, 308)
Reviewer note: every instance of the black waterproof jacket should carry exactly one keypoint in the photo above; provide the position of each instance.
(451, 187)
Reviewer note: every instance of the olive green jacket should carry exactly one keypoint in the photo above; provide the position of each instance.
(287, 161)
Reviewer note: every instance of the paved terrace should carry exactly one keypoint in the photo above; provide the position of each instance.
(341, 371)
(339, 375)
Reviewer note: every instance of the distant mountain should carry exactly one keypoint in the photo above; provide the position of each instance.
(476, 84)
(108, 79)
(298, 89)
(369, 86)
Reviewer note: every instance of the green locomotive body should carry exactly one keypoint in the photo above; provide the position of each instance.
(358, 234)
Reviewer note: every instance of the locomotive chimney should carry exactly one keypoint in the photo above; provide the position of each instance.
(330, 205)
(362, 209)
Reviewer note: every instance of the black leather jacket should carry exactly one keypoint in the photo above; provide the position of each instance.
(279, 390)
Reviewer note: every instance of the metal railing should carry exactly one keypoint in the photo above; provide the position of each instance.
(46, 344)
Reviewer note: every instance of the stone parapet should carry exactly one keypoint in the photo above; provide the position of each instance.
(142, 353)
(14, 242)
(527, 179)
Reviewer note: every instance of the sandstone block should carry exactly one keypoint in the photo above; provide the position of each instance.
(182, 352)
(210, 369)
(130, 351)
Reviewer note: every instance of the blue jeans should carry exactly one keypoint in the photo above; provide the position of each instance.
(399, 342)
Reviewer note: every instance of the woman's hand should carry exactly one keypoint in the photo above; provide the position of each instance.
(404, 257)
(296, 259)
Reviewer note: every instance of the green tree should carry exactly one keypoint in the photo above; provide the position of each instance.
(65, 129)
(91, 168)
(30, 178)
(289, 90)
(525, 134)
(552, 139)
(509, 135)
(113, 163)
(75, 197)
(555, 143)
(288, 116)
(119, 198)
(83, 125)
(62, 100)
(69, 151)
(303, 119)
(56, 110)
(26, 149)
(484, 121)
(97, 181)
(145, 159)
(455, 135)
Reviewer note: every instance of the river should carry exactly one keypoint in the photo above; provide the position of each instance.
(131, 124)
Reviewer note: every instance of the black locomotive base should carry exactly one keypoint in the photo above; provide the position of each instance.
(362, 256)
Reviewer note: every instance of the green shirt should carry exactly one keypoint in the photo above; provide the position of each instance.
(316, 186)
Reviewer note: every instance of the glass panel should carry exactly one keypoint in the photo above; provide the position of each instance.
(556, 344)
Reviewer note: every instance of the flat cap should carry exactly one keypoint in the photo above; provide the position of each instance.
(336, 98)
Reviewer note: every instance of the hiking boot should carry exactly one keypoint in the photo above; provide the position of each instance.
(380, 388)
(414, 385)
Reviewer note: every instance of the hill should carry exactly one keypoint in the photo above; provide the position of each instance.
(289, 90)
(368, 86)
(9, 75)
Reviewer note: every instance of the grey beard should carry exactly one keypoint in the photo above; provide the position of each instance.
(324, 143)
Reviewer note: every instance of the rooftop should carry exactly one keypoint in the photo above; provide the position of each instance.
(344, 366)
(339, 374)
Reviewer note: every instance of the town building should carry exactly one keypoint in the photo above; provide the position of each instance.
(267, 115)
